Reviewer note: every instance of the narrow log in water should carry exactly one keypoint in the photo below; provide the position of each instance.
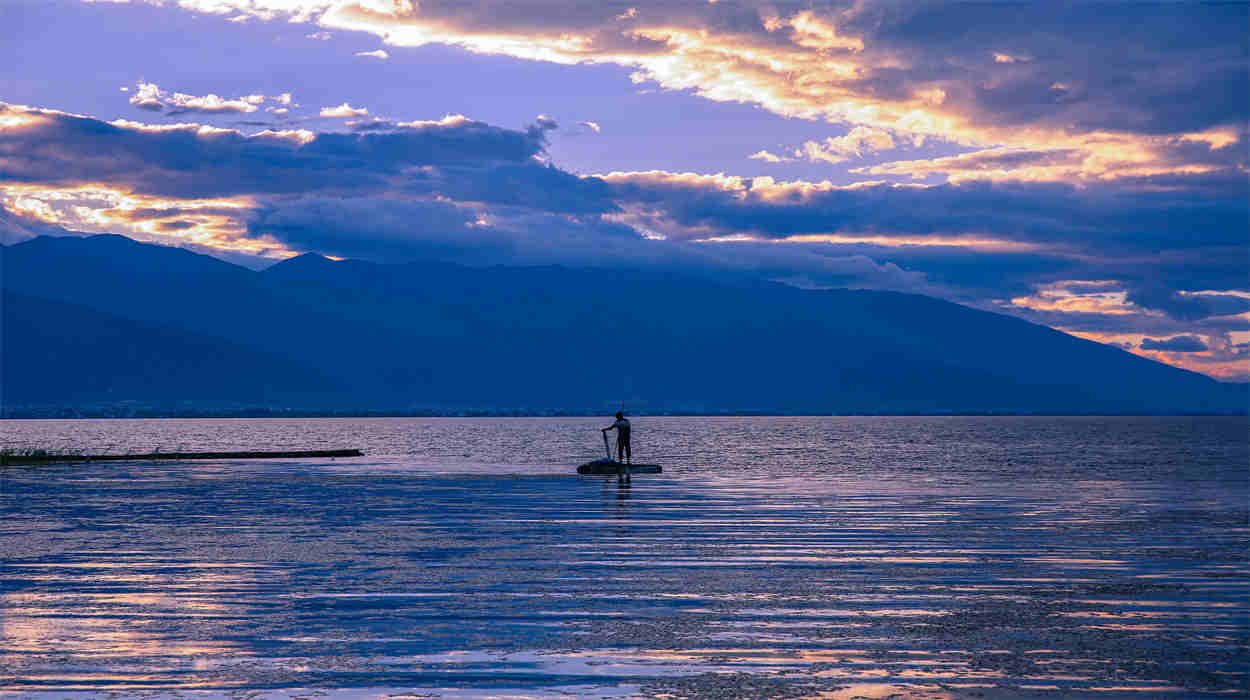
(51, 458)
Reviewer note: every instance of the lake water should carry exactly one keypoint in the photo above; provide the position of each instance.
(775, 557)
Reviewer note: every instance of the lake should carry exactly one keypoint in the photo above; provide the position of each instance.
(774, 557)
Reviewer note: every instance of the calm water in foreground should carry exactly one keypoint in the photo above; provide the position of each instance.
(775, 557)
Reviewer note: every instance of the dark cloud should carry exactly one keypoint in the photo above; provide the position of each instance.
(529, 184)
(369, 228)
(1096, 220)
(542, 124)
(1126, 323)
(1134, 232)
(1143, 67)
(1180, 343)
(60, 149)
(176, 225)
(404, 229)
(152, 213)
(1188, 307)
(372, 125)
(1092, 287)
(1156, 238)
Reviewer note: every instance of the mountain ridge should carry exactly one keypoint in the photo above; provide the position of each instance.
(439, 336)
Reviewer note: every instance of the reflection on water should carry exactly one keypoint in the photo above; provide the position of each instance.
(832, 557)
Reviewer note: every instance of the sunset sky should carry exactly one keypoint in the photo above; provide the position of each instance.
(1079, 165)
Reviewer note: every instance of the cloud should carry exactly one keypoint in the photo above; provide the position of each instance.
(148, 96)
(379, 53)
(151, 97)
(1103, 221)
(857, 142)
(1172, 232)
(1105, 80)
(1007, 162)
(446, 189)
(767, 157)
(475, 234)
(1180, 343)
(1187, 306)
(1128, 159)
(343, 111)
(54, 149)
(176, 225)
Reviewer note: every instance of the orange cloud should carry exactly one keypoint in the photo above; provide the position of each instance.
(829, 65)
(1221, 360)
(214, 223)
(1081, 296)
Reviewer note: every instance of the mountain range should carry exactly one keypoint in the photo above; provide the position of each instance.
(105, 320)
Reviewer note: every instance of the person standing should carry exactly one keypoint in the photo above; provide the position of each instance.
(621, 426)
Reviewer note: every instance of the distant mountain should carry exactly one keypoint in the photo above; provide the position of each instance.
(70, 355)
(440, 336)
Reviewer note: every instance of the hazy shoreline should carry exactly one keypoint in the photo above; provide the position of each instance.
(72, 413)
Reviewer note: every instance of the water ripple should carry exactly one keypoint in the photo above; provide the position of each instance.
(402, 574)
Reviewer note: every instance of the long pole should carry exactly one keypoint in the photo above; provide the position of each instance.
(606, 449)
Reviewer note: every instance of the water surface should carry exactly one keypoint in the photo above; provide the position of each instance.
(936, 557)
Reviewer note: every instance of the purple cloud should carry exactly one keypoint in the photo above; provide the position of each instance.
(1180, 343)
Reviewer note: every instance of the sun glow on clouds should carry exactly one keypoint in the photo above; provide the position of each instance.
(859, 141)
(803, 66)
(969, 242)
(1223, 354)
(1090, 157)
(14, 120)
(215, 223)
(813, 64)
(1084, 296)
(1223, 358)
(661, 222)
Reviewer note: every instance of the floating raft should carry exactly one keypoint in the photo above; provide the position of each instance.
(608, 467)
(289, 454)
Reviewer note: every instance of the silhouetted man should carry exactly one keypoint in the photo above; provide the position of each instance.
(621, 426)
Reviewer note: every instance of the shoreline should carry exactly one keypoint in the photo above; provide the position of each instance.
(260, 413)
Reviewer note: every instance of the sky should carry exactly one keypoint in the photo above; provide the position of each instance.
(1082, 165)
